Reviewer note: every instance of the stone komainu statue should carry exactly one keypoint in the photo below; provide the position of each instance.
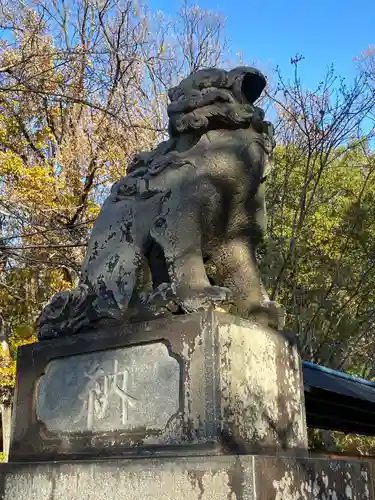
(179, 232)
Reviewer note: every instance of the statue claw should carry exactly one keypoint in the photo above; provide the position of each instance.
(189, 300)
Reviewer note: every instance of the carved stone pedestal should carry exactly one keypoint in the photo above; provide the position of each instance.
(171, 409)
(201, 383)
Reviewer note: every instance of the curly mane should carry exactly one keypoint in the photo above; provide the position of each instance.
(214, 98)
(207, 100)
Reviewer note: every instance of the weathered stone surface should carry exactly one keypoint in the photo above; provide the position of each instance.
(284, 479)
(261, 386)
(193, 478)
(177, 479)
(179, 232)
(127, 388)
(205, 381)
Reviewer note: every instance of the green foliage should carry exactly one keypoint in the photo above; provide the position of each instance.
(354, 444)
(338, 442)
(321, 259)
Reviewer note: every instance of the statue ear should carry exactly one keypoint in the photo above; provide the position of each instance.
(248, 84)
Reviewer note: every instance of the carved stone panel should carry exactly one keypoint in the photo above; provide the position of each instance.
(128, 388)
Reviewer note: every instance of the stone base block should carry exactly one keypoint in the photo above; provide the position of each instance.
(207, 381)
(193, 478)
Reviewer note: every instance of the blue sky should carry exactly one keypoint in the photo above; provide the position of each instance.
(272, 31)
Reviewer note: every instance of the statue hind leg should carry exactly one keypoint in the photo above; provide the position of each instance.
(108, 277)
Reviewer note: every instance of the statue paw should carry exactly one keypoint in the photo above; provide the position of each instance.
(192, 300)
(168, 297)
(163, 299)
(218, 293)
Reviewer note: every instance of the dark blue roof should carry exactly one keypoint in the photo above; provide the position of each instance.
(320, 377)
(338, 401)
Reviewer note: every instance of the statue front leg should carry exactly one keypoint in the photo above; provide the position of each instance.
(181, 240)
(234, 265)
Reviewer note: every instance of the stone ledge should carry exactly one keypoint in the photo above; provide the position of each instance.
(245, 477)
(199, 380)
